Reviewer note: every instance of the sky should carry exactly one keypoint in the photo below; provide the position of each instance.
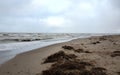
(60, 16)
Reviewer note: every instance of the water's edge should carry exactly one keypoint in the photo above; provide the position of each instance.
(7, 55)
(18, 48)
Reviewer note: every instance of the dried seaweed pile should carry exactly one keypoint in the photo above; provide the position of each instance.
(59, 56)
(80, 50)
(115, 53)
(67, 64)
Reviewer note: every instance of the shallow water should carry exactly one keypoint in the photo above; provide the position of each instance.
(10, 50)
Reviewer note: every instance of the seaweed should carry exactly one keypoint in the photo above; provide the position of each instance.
(68, 47)
(75, 67)
(59, 56)
(115, 53)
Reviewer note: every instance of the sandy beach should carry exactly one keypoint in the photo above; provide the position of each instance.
(101, 51)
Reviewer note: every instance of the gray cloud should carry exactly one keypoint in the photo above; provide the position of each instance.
(115, 3)
(93, 16)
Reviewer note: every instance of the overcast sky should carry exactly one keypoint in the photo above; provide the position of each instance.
(82, 16)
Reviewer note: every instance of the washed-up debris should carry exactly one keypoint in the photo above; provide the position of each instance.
(68, 47)
(115, 53)
(97, 42)
(80, 50)
(61, 55)
(75, 67)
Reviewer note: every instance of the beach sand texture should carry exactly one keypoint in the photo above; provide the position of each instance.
(101, 51)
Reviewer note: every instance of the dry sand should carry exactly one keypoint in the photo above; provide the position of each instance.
(31, 63)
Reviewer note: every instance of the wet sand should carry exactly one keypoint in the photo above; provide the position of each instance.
(101, 48)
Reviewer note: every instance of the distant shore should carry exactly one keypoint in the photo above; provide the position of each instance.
(99, 50)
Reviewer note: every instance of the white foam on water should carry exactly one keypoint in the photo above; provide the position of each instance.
(10, 50)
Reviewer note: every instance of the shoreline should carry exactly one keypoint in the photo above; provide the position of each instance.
(11, 53)
(30, 63)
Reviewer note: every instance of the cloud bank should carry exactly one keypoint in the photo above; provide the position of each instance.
(81, 16)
